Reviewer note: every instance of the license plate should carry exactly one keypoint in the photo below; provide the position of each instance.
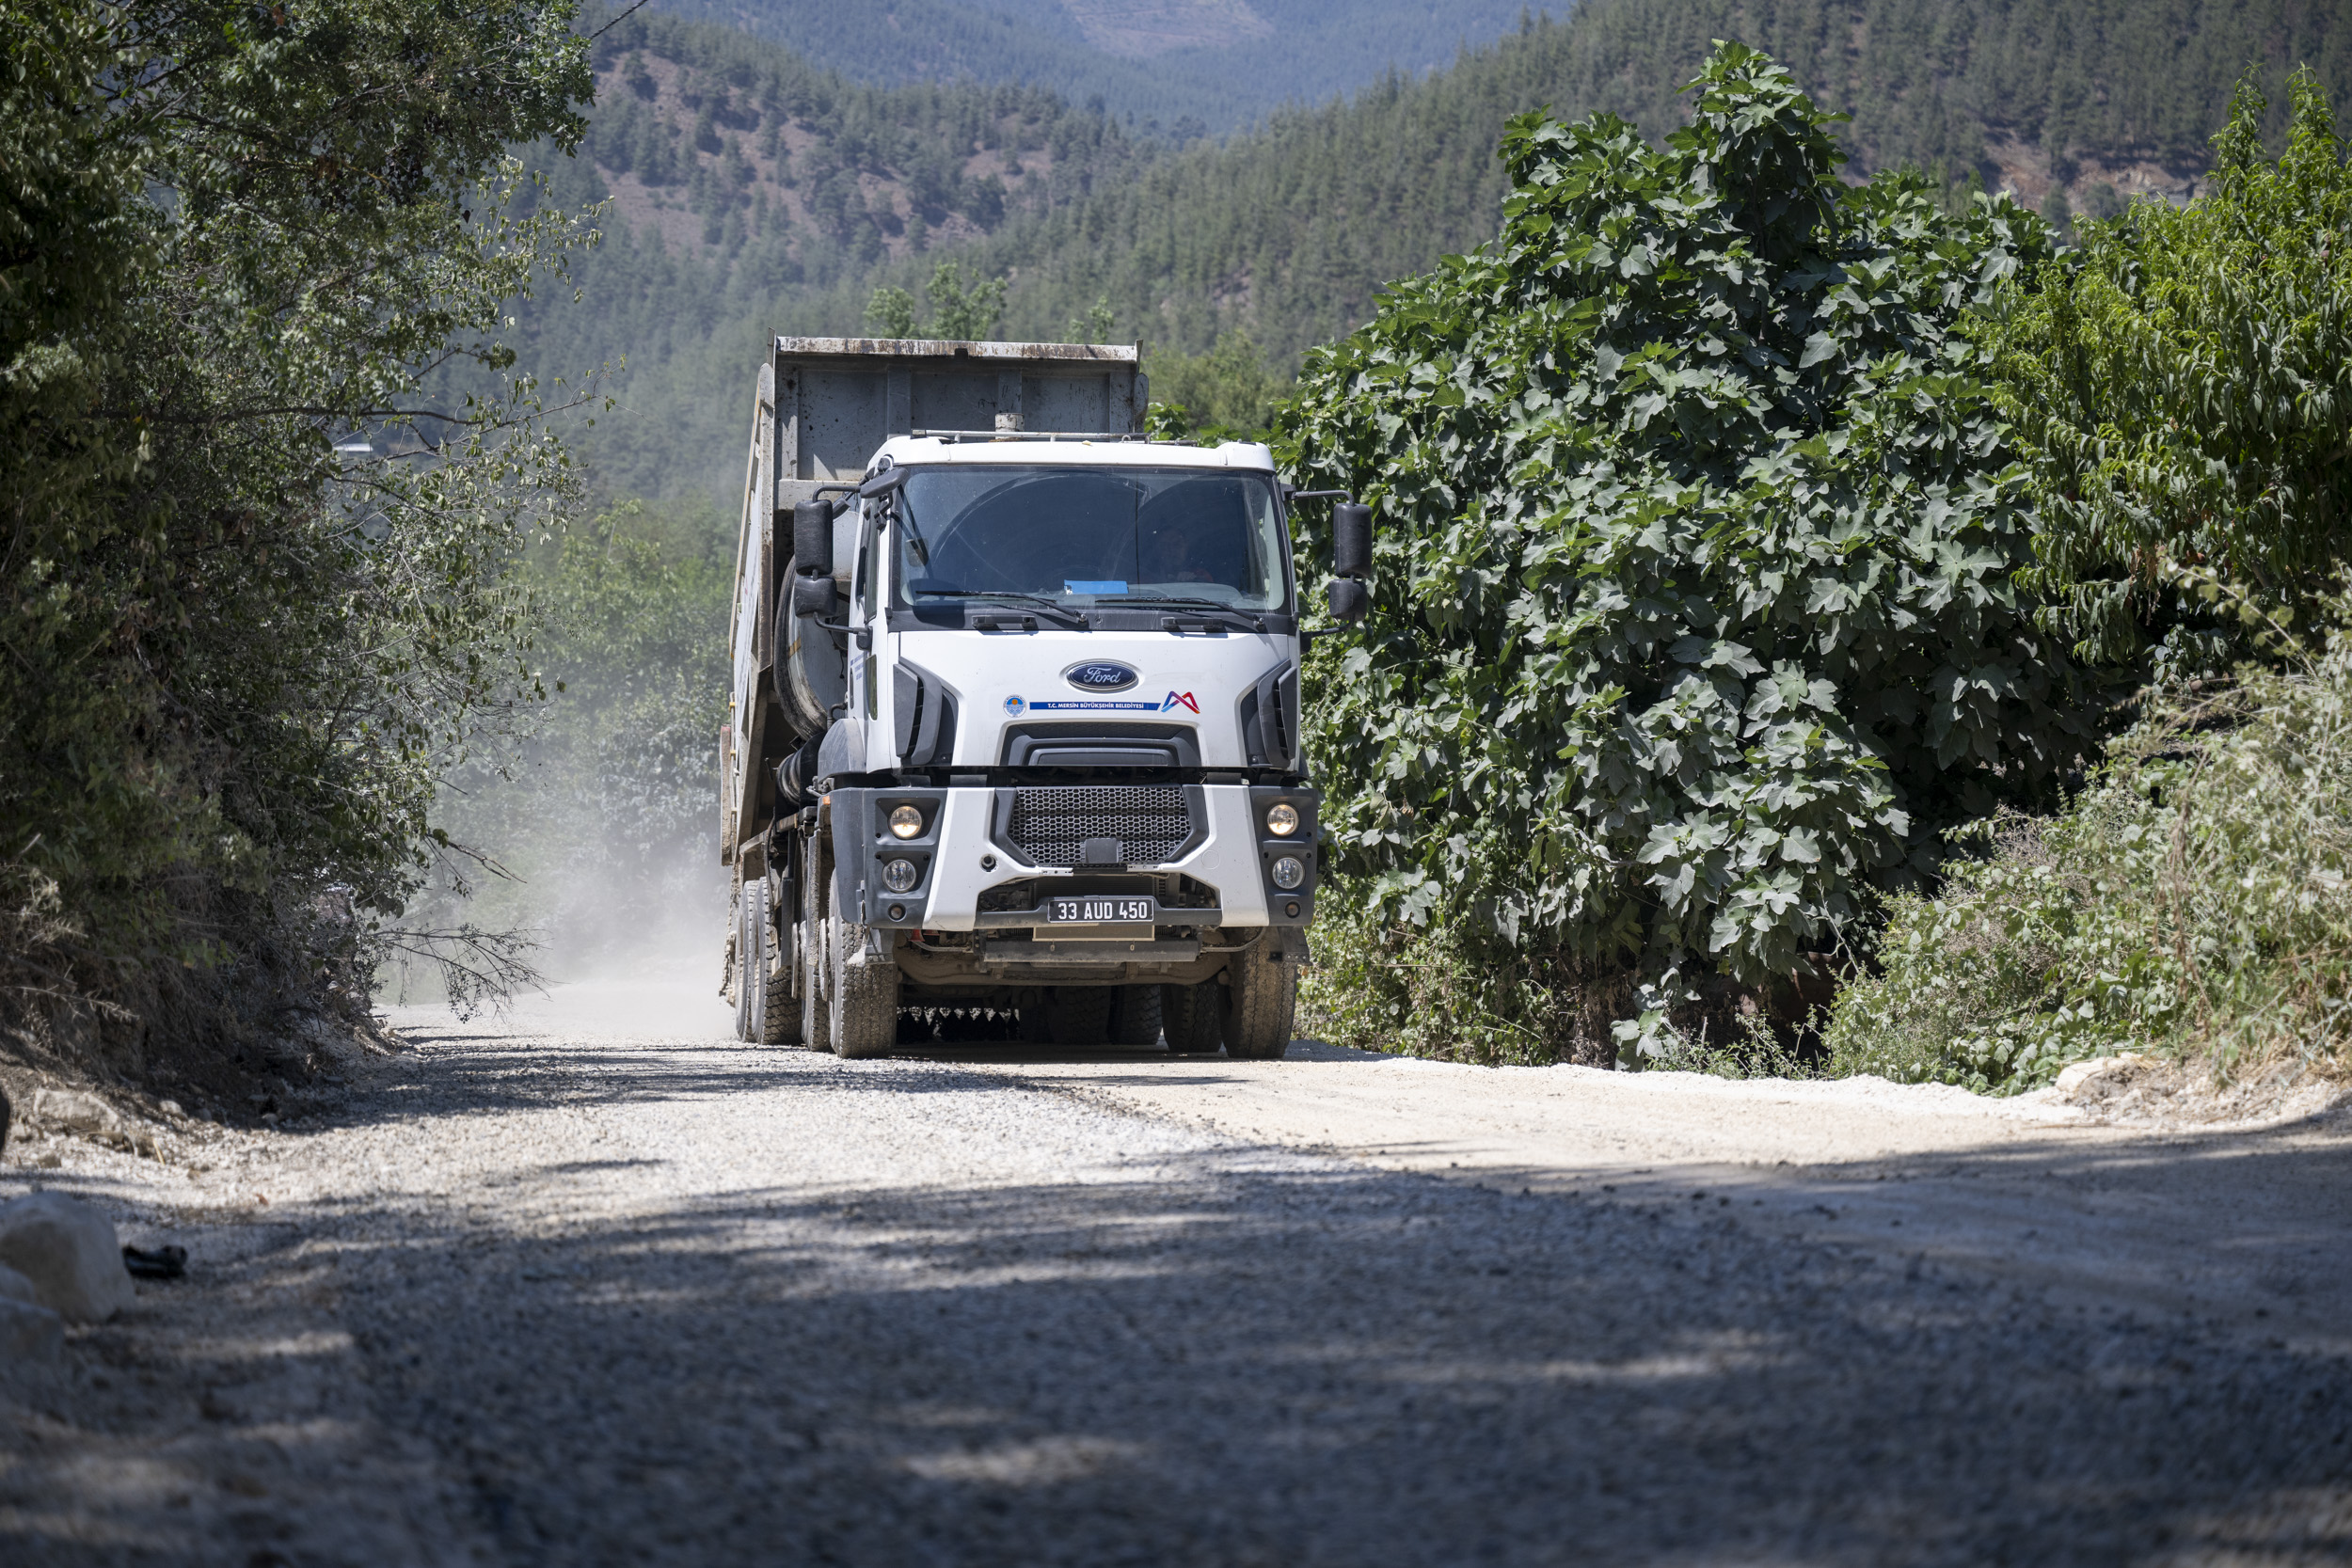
(1099, 911)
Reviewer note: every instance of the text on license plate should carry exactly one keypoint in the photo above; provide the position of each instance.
(1097, 911)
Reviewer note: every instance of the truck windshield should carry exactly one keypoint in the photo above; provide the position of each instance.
(1092, 535)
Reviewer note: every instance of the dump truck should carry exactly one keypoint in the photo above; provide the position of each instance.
(1014, 741)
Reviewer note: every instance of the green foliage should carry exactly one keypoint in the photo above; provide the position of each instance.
(1229, 391)
(891, 312)
(2196, 897)
(964, 308)
(1693, 619)
(1445, 989)
(2181, 386)
(1095, 326)
(239, 656)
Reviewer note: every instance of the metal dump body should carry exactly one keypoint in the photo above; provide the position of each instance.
(838, 399)
(823, 409)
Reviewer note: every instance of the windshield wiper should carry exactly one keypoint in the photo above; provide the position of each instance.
(1069, 617)
(1253, 618)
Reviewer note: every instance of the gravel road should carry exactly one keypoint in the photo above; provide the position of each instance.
(585, 1297)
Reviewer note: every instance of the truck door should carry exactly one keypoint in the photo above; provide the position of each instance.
(864, 597)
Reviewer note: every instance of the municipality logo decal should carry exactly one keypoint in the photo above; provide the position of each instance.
(1016, 707)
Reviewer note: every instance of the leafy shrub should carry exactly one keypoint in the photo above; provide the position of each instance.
(256, 591)
(1439, 989)
(1694, 618)
(2193, 899)
(2181, 387)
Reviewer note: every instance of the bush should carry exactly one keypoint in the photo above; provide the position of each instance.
(256, 591)
(1693, 619)
(2193, 899)
(2181, 387)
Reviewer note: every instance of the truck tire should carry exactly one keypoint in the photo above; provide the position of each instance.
(1079, 1015)
(737, 960)
(815, 923)
(862, 1000)
(1259, 999)
(1189, 1016)
(1135, 1016)
(779, 1009)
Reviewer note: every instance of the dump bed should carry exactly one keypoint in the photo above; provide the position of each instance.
(824, 407)
(838, 399)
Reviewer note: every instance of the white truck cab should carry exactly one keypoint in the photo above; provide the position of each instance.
(1014, 746)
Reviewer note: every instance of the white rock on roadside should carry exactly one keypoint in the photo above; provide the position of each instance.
(69, 1251)
(75, 1111)
(29, 1333)
(2073, 1078)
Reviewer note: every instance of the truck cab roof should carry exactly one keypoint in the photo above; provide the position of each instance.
(1034, 448)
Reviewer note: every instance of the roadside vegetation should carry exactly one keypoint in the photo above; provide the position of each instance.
(2154, 422)
(257, 590)
(1695, 622)
(2181, 389)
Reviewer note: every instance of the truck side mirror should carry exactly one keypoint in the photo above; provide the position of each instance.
(815, 595)
(1350, 599)
(812, 539)
(1351, 539)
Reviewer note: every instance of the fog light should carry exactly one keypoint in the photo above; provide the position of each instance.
(905, 822)
(1291, 909)
(1289, 871)
(897, 912)
(1281, 820)
(901, 876)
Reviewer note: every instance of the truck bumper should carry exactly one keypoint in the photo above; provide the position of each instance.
(988, 858)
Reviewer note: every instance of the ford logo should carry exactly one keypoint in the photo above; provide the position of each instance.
(1100, 677)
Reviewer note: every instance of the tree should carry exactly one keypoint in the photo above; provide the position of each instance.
(1229, 390)
(255, 593)
(964, 307)
(2181, 387)
(1693, 619)
(892, 312)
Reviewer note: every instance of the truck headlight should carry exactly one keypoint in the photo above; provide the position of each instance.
(905, 822)
(1281, 820)
(1289, 871)
(901, 876)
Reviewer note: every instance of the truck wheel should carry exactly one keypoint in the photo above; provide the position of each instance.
(1259, 1000)
(1135, 1016)
(779, 1009)
(742, 963)
(1189, 1014)
(816, 924)
(1079, 1015)
(862, 997)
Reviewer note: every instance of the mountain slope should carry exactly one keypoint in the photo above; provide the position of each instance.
(1179, 68)
(1287, 232)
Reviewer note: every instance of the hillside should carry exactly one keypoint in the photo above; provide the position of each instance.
(1178, 68)
(753, 192)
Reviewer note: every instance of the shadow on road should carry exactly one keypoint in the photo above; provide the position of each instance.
(1235, 1355)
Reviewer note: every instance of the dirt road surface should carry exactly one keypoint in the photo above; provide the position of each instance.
(595, 1286)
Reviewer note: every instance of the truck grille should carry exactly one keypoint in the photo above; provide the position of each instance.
(1049, 826)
